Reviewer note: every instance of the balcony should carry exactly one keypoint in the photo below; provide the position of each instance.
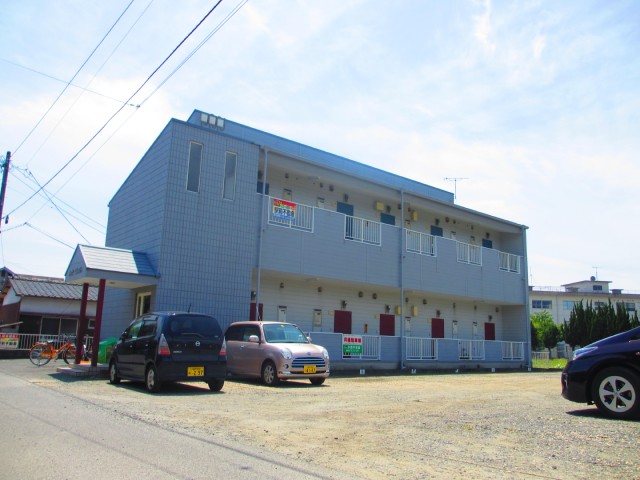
(323, 243)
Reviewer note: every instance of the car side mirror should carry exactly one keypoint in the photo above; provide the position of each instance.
(254, 339)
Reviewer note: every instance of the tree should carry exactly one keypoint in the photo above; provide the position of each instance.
(546, 331)
(588, 324)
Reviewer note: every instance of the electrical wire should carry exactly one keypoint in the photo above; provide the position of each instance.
(193, 52)
(15, 150)
(64, 81)
(119, 109)
(90, 82)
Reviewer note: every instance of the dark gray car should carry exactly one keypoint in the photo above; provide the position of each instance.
(171, 347)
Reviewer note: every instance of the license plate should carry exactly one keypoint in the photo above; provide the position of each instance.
(309, 369)
(195, 371)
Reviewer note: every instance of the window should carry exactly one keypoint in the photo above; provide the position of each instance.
(598, 305)
(597, 288)
(229, 188)
(143, 303)
(568, 304)
(195, 160)
(541, 304)
(631, 307)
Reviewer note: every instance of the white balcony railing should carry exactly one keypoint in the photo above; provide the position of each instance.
(471, 349)
(468, 253)
(509, 262)
(512, 350)
(421, 348)
(421, 243)
(361, 230)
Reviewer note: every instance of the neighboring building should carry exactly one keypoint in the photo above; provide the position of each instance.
(43, 305)
(559, 301)
(243, 224)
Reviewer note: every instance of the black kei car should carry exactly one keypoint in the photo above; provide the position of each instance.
(170, 347)
(607, 373)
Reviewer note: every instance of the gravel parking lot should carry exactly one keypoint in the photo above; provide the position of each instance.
(479, 425)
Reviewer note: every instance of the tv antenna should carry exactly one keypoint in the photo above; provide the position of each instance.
(455, 181)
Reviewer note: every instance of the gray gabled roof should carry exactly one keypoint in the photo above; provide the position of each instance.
(50, 289)
(119, 267)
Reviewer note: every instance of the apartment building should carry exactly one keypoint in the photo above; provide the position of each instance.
(384, 271)
(559, 301)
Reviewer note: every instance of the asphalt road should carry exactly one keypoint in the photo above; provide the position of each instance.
(49, 433)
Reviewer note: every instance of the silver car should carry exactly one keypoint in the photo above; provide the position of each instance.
(274, 351)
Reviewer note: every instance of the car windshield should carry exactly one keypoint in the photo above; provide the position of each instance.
(284, 333)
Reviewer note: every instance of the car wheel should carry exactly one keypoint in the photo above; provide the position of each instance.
(114, 378)
(269, 374)
(151, 380)
(616, 392)
(316, 381)
(216, 385)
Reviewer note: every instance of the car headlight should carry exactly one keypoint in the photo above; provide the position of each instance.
(583, 351)
(325, 353)
(286, 353)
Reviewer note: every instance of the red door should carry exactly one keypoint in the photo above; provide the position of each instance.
(387, 325)
(489, 331)
(252, 313)
(437, 328)
(342, 321)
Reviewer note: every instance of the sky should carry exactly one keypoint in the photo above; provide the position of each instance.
(533, 105)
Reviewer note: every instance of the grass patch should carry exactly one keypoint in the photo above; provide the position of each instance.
(555, 364)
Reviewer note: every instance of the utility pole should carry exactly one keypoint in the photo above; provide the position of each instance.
(455, 181)
(5, 175)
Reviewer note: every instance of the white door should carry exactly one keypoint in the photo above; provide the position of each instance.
(282, 314)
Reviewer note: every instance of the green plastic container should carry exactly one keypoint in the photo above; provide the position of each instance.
(105, 349)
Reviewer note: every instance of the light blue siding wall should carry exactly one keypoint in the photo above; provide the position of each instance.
(136, 218)
(202, 246)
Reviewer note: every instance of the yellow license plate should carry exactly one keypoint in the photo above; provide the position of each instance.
(309, 369)
(195, 371)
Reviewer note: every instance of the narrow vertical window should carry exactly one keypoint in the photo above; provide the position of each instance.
(229, 189)
(195, 160)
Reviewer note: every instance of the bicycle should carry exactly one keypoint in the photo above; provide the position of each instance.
(41, 353)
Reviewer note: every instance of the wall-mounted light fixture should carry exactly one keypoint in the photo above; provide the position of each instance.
(374, 295)
(387, 309)
(360, 294)
(437, 221)
(346, 198)
(253, 295)
(438, 313)
(424, 301)
(490, 318)
(454, 305)
(281, 284)
(475, 307)
(286, 175)
(343, 304)
(497, 309)
(319, 289)
(406, 299)
(331, 188)
(487, 234)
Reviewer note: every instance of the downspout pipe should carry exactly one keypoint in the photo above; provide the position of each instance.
(262, 230)
(527, 315)
(402, 304)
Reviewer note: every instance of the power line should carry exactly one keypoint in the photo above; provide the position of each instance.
(193, 52)
(72, 78)
(91, 81)
(119, 109)
(63, 81)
